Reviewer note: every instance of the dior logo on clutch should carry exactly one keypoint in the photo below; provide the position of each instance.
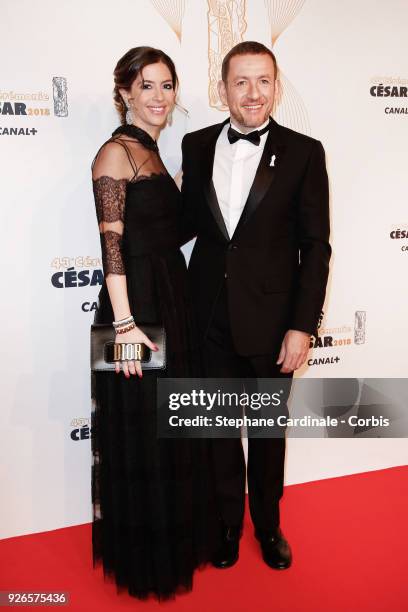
(125, 352)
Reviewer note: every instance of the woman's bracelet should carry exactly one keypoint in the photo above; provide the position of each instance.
(123, 322)
(126, 328)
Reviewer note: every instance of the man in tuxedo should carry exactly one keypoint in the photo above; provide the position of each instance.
(256, 196)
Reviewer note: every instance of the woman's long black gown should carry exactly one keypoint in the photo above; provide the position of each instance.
(153, 521)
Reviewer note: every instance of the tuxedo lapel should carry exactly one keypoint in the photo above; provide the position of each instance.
(264, 177)
(208, 153)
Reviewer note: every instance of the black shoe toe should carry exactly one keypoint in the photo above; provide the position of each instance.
(276, 551)
(228, 552)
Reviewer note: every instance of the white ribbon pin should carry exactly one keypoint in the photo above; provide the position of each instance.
(272, 162)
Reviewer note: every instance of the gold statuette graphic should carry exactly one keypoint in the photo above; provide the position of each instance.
(173, 12)
(289, 109)
(226, 27)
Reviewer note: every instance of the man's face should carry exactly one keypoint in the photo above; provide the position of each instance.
(250, 89)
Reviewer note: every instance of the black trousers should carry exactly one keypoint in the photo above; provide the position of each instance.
(266, 456)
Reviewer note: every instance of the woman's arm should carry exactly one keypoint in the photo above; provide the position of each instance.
(109, 183)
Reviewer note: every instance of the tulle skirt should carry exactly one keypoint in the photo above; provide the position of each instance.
(154, 518)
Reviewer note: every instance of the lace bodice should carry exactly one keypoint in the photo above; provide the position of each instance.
(131, 155)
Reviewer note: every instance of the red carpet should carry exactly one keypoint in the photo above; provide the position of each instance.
(349, 537)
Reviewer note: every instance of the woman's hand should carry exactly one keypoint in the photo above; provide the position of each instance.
(132, 337)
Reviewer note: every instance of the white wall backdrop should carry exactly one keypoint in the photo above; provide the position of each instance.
(331, 53)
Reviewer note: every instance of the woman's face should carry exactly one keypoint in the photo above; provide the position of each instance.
(151, 97)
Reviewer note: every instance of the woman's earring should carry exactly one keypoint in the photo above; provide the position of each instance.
(170, 118)
(129, 116)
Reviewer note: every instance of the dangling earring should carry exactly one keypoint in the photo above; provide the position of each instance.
(129, 116)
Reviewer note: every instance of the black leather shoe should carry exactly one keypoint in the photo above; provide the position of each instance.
(228, 551)
(275, 549)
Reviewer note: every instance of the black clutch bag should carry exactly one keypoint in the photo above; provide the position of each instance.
(105, 352)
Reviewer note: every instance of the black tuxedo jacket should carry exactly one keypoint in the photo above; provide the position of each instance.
(277, 262)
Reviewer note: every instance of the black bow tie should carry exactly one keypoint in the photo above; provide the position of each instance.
(254, 137)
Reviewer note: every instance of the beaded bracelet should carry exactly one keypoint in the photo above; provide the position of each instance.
(123, 330)
(123, 322)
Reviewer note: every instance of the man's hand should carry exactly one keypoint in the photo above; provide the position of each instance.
(293, 353)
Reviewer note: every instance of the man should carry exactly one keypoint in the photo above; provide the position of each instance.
(256, 196)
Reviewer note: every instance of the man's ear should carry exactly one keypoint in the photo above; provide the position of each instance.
(222, 92)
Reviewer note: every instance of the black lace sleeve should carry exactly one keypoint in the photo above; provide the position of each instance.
(110, 195)
(118, 162)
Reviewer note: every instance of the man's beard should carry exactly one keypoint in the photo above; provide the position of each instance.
(246, 122)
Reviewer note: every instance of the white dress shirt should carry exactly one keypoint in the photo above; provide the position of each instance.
(235, 166)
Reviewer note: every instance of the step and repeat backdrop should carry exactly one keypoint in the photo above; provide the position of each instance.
(344, 80)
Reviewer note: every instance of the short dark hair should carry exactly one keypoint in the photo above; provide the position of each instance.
(248, 47)
(129, 67)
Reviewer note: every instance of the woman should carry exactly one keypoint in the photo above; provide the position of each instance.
(153, 519)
